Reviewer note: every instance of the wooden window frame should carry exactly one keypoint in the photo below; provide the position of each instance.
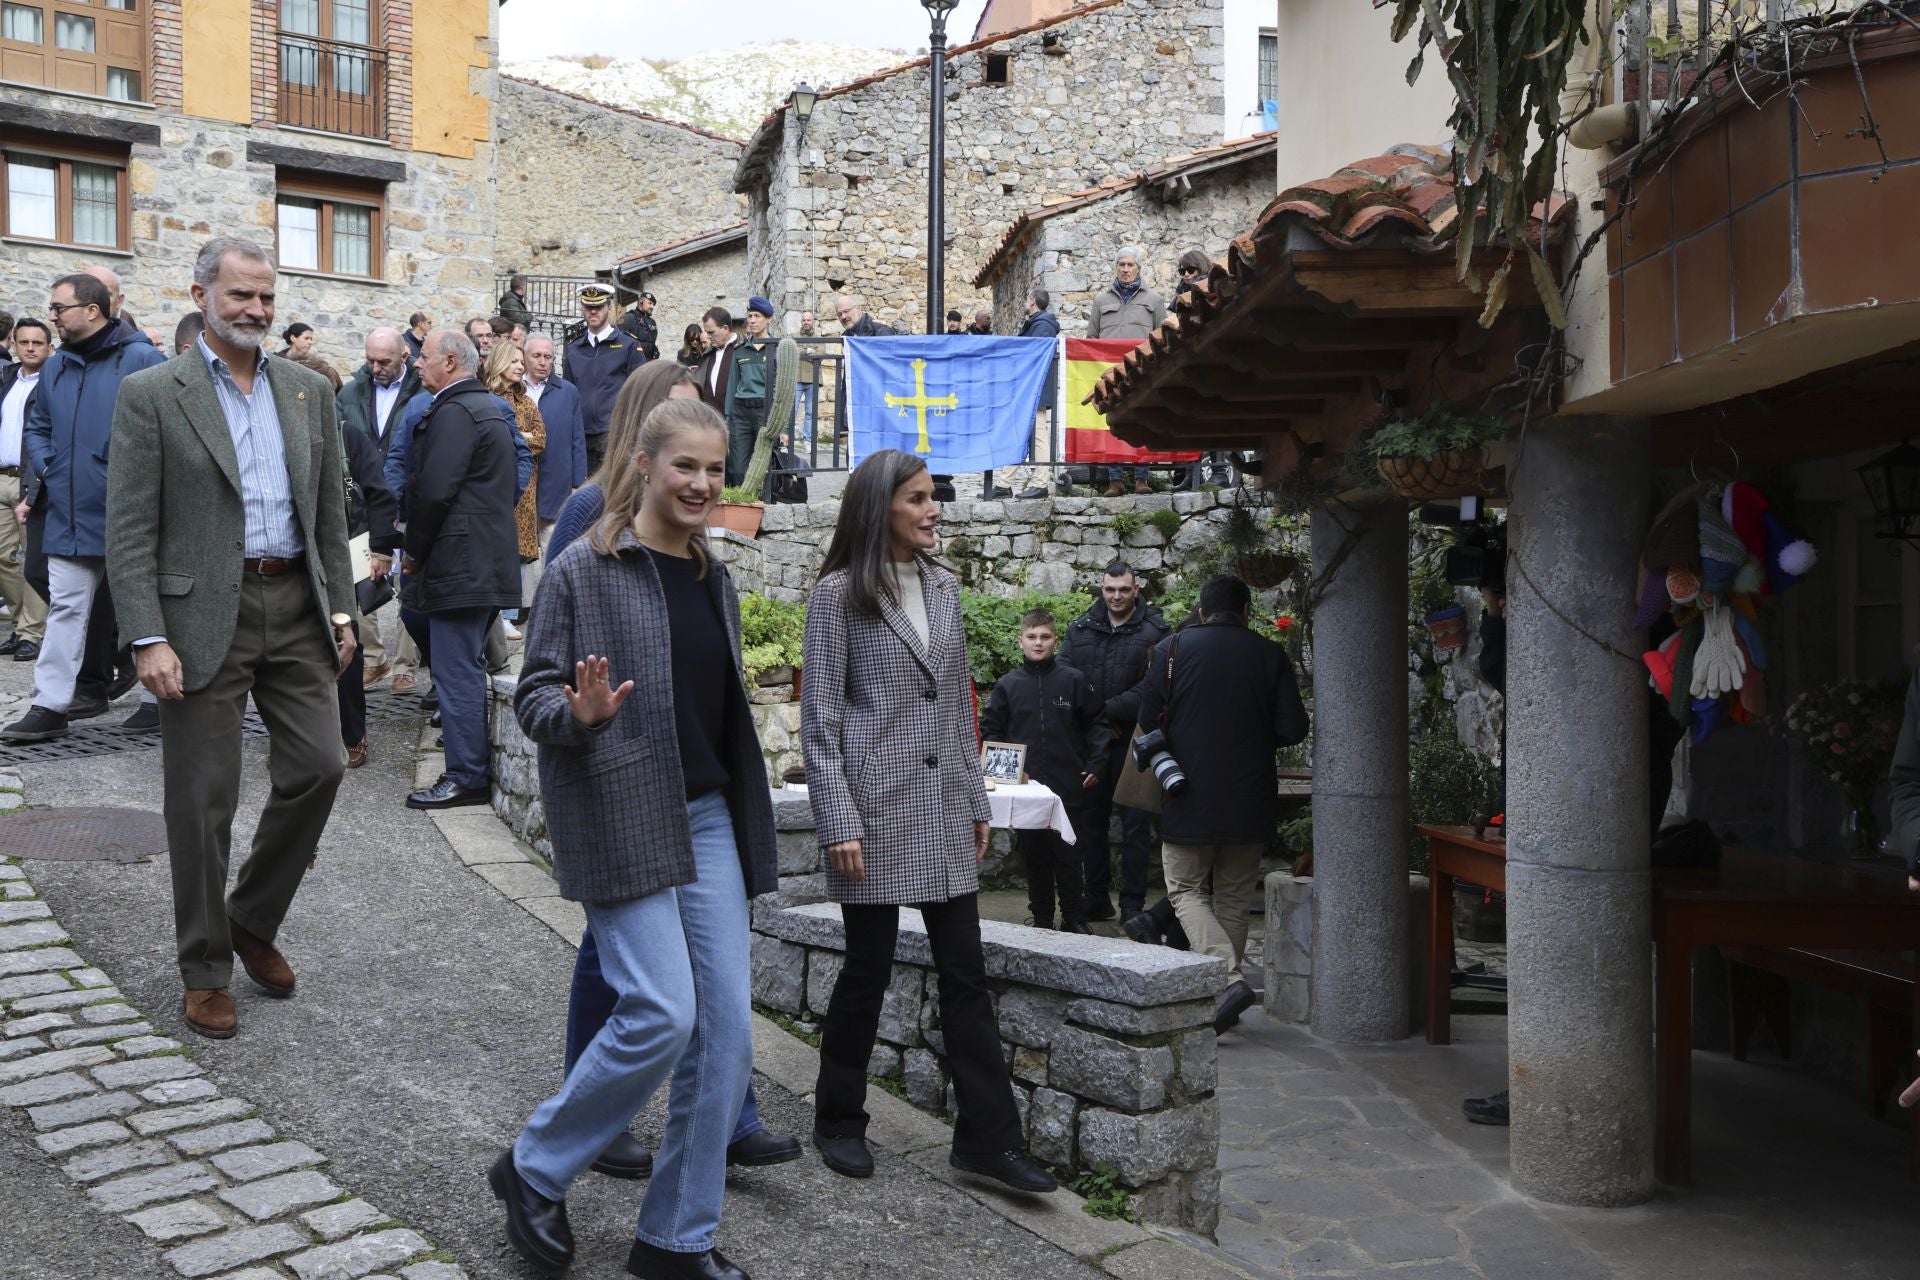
(67, 153)
(329, 190)
(139, 16)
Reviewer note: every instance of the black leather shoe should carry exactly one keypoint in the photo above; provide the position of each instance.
(994, 493)
(38, 725)
(1027, 495)
(625, 1157)
(86, 708)
(1140, 928)
(651, 1263)
(1073, 924)
(27, 651)
(1014, 1168)
(762, 1148)
(446, 794)
(1492, 1109)
(145, 718)
(11, 643)
(848, 1157)
(1099, 909)
(1234, 1001)
(536, 1226)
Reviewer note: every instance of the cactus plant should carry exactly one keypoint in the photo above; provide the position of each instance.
(786, 375)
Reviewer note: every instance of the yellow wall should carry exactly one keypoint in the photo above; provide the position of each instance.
(451, 39)
(215, 55)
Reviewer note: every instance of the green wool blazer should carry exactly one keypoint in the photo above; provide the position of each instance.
(175, 526)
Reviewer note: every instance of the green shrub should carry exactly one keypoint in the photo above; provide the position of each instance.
(1167, 522)
(771, 634)
(738, 493)
(1439, 430)
(1128, 523)
(1449, 784)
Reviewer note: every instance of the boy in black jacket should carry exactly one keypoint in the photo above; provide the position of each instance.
(1049, 708)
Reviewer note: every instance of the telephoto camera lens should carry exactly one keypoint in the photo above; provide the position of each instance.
(1150, 754)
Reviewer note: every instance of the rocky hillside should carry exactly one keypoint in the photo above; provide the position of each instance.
(727, 92)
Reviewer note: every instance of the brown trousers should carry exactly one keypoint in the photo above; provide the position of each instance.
(281, 656)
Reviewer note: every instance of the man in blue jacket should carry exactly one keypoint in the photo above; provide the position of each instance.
(597, 364)
(65, 447)
(563, 467)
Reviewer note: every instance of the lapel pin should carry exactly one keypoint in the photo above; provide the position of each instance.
(300, 396)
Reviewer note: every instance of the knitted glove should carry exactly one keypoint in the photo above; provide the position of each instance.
(1720, 664)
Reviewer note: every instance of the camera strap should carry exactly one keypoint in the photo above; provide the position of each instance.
(1166, 680)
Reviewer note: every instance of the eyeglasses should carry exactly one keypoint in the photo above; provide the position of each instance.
(57, 309)
(1190, 271)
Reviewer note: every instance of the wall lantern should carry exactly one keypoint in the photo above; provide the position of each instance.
(802, 100)
(1892, 481)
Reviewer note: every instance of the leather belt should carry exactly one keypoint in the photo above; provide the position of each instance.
(271, 565)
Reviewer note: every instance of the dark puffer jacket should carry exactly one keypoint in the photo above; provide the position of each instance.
(1114, 658)
(1049, 708)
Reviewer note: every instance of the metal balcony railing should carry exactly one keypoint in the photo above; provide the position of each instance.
(333, 86)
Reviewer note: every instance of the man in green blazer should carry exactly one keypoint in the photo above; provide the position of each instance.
(230, 573)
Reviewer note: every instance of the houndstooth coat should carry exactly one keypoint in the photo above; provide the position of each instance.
(888, 731)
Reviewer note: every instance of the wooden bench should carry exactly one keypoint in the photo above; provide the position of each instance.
(1757, 991)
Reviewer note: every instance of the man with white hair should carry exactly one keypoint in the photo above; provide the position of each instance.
(563, 466)
(1126, 309)
(229, 566)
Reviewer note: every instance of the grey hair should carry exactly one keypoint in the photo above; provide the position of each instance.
(452, 342)
(207, 264)
(1129, 251)
(1041, 298)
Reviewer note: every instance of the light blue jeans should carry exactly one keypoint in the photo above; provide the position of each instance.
(678, 960)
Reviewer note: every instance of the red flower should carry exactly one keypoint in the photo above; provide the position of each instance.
(1282, 623)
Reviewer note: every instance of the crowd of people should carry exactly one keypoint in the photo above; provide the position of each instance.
(223, 526)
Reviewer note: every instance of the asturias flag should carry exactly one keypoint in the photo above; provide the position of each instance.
(1088, 438)
(962, 402)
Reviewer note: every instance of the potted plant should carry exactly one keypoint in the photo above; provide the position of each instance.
(1254, 562)
(1849, 731)
(772, 633)
(739, 511)
(1440, 454)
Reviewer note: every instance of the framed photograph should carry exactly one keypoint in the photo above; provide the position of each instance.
(1004, 762)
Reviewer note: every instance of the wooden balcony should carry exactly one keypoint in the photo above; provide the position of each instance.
(333, 86)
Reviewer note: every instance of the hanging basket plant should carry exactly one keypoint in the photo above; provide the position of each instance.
(1440, 454)
(1264, 570)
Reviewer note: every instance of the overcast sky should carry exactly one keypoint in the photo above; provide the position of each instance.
(676, 28)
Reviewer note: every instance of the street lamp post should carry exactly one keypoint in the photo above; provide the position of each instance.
(937, 162)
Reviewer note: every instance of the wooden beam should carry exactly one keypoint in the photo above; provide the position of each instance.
(1399, 284)
(1246, 410)
(1253, 388)
(1317, 331)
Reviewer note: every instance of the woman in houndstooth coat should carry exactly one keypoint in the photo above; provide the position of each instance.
(894, 777)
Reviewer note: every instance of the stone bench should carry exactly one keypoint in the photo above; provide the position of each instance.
(1110, 1043)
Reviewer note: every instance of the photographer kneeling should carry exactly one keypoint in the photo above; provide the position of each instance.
(1226, 701)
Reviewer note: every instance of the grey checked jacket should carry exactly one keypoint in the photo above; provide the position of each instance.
(887, 728)
(615, 796)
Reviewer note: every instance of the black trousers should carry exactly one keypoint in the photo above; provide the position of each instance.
(1053, 868)
(596, 451)
(987, 1122)
(353, 697)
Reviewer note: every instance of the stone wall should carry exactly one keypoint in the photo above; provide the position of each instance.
(581, 184)
(1071, 254)
(1111, 1043)
(685, 289)
(1124, 87)
(1004, 548)
(198, 183)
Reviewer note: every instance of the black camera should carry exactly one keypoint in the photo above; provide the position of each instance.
(1150, 755)
(1478, 557)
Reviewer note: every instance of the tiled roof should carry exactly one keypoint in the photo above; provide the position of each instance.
(1400, 200)
(1206, 158)
(714, 238)
(627, 111)
(774, 121)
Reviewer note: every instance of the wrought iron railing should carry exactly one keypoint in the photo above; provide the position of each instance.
(333, 86)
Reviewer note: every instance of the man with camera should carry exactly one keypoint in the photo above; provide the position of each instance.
(1218, 702)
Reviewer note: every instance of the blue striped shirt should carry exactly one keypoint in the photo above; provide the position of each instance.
(266, 493)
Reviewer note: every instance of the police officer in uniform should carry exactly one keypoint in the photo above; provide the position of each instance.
(640, 325)
(597, 365)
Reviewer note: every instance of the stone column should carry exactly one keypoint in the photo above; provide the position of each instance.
(1579, 893)
(1360, 774)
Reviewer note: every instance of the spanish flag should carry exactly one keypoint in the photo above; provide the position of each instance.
(1088, 439)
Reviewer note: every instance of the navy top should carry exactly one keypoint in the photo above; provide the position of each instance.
(581, 512)
(702, 683)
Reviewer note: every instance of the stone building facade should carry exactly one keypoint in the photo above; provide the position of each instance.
(688, 277)
(581, 184)
(1067, 104)
(232, 125)
(1067, 245)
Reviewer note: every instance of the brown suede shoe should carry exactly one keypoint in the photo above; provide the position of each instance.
(210, 1012)
(374, 675)
(264, 963)
(357, 754)
(404, 682)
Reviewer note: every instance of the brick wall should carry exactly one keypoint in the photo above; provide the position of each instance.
(165, 87)
(397, 36)
(266, 61)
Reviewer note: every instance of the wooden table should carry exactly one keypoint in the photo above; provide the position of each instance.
(1458, 854)
(1751, 899)
(1755, 900)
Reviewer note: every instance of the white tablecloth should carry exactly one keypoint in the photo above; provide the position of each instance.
(1026, 806)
